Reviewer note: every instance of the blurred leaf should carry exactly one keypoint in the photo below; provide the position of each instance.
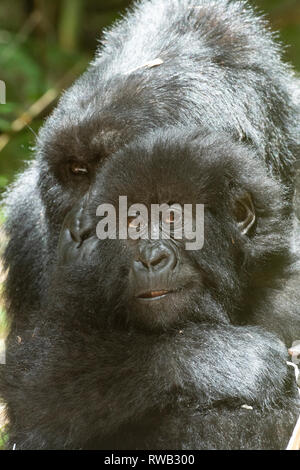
(4, 125)
(3, 183)
(8, 108)
(3, 438)
(18, 67)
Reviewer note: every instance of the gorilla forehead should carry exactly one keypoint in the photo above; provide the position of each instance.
(175, 165)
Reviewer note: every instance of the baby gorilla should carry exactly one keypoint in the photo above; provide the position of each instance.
(146, 345)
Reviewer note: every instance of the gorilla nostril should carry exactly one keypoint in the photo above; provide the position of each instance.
(79, 236)
(74, 235)
(79, 225)
(159, 260)
(86, 233)
(144, 263)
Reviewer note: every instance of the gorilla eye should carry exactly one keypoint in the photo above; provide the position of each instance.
(133, 222)
(79, 169)
(170, 218)
(244, 212)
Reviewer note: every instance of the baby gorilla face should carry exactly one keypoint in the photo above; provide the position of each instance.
(156, 279)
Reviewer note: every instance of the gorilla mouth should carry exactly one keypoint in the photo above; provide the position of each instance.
(153, 295)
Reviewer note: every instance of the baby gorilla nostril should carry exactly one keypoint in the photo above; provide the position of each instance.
(159, 260)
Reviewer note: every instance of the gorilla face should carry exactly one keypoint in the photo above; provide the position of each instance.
(157, 283)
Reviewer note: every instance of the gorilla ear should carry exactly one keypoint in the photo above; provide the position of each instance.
(244, 213)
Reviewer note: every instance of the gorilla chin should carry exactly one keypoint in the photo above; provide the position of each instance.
(169, 311)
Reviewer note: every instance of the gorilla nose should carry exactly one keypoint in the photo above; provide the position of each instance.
(78, 223)
(155, 259)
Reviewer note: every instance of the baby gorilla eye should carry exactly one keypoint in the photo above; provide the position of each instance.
(133, 222)
(170, 218)
(78, 169)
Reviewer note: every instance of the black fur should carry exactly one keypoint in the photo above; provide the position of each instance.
(85, 368)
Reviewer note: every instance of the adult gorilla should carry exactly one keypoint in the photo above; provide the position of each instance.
(95, 357)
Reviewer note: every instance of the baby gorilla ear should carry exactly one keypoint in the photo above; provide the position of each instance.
(244, 213)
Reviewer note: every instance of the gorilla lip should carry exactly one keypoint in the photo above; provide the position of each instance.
(153, 295)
